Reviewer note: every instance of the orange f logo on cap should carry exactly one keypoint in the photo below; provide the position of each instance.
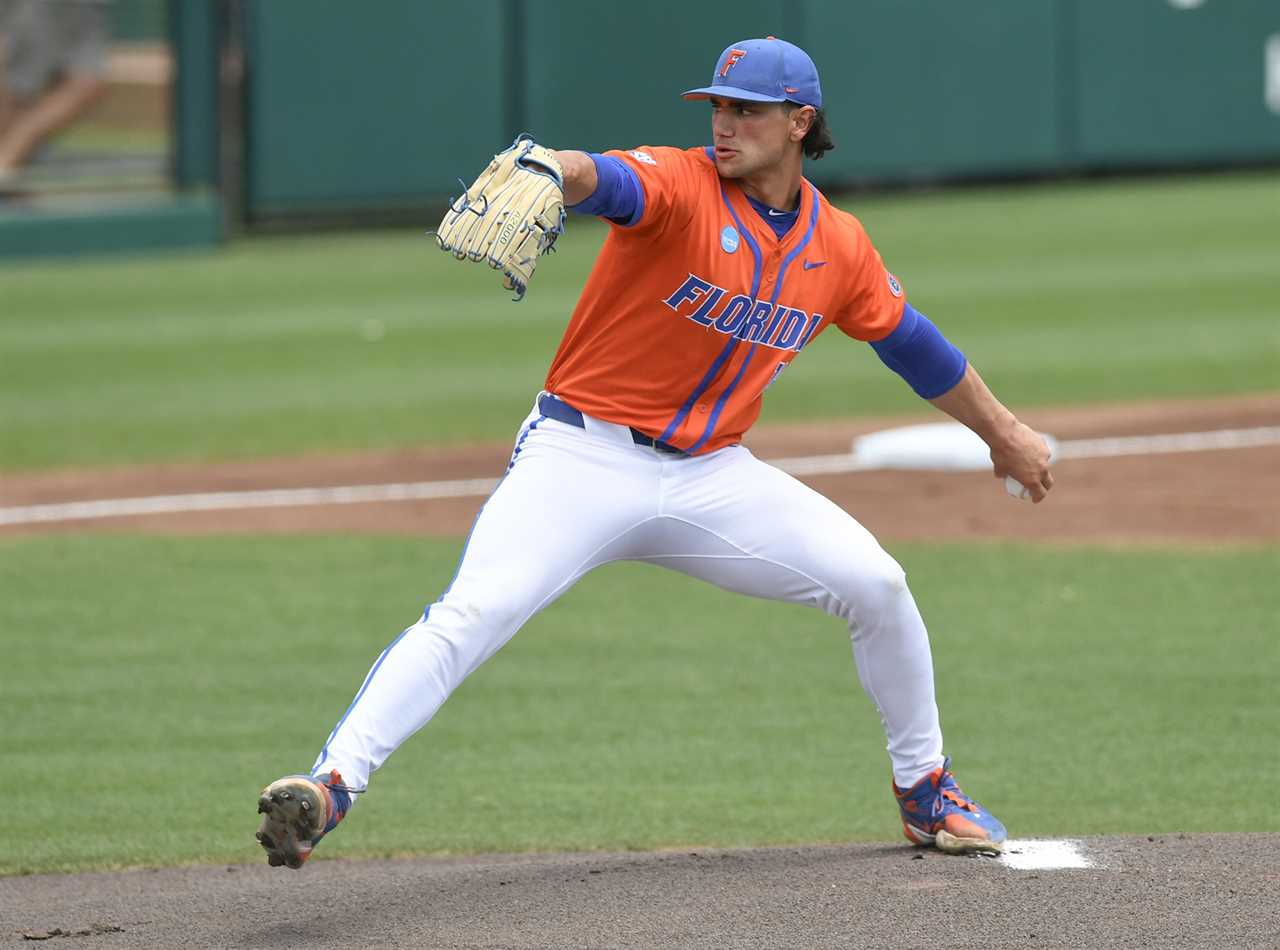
(731, 60)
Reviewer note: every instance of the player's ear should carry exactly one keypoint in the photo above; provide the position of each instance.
(801, 121)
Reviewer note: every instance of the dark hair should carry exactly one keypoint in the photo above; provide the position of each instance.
(817, 140)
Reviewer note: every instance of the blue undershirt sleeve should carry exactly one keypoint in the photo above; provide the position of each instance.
(918, 352)
(618, 195)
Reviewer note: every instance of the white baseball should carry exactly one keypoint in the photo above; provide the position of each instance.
(1016, 488)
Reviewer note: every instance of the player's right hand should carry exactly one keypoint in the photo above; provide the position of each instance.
(1024, 455)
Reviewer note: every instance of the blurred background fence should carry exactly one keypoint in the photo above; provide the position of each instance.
(293, 109)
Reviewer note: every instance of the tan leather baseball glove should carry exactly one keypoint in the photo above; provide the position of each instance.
(511, 215)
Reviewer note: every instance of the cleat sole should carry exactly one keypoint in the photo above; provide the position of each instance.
(917, 836)
(946, 841)
(293, 819)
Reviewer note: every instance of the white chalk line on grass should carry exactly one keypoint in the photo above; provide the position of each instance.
(479, 487)
(1044, 855)
(268, 498)
(1177, 442)
(1074, 449)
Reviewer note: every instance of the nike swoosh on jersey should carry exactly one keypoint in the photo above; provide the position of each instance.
(777, 214)
(810, 265)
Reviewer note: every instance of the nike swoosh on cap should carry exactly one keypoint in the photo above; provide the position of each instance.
(810, 265)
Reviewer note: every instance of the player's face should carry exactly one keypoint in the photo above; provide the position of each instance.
(751, 137)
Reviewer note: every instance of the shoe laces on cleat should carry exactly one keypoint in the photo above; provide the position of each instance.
(942, 794)
(340, 796)
(949, 791)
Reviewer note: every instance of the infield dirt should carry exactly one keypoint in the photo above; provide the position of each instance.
(1187, 497)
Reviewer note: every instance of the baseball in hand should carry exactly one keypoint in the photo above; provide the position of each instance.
(1016, 488)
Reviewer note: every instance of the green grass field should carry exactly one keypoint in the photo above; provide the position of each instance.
(1058, 293)
(152, 685)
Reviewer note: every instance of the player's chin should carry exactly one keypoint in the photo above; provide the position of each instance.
(730, 165)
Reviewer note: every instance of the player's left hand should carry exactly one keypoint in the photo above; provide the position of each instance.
(511, 215)
(1024, 455)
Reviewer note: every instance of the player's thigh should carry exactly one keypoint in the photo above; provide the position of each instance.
(749, 527)
(560, 510)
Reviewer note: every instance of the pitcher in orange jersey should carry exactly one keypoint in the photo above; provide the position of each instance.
(721, 265)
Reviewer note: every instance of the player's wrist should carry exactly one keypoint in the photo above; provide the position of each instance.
(1000, 430)
(579, 175)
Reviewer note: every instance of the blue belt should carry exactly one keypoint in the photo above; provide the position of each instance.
(553, 407)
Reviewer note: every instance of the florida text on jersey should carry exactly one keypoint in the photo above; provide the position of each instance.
(695, 305)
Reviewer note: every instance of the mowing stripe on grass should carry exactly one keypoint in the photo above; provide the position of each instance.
(479, 487)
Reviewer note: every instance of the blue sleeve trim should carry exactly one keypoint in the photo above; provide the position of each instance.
(618, 195)
(918, 352)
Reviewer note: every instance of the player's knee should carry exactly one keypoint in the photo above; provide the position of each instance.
(500, 611)
(458, 633)
(875, 584)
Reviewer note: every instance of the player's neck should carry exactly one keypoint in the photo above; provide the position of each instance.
(777, 186)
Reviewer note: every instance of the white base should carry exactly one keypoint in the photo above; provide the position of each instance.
(935, 446)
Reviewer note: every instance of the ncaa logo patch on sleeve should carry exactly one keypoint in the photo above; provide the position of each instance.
(895, 288)
(642, 156)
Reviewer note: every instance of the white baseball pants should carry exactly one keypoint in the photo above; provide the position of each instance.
(576, 498)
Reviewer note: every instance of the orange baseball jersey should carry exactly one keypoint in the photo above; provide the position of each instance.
(691, 312)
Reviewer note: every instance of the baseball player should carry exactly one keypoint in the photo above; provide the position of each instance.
(721, 265)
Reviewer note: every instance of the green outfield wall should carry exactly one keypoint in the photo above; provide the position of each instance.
(346, 108)
(1152, 81)
(362, 106)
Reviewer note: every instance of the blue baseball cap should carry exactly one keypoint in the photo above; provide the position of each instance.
(767, 70)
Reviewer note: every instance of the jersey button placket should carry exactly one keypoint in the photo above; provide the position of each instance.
(771, 271)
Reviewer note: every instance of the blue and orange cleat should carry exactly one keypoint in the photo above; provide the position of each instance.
(299, 810)
(936, 812)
